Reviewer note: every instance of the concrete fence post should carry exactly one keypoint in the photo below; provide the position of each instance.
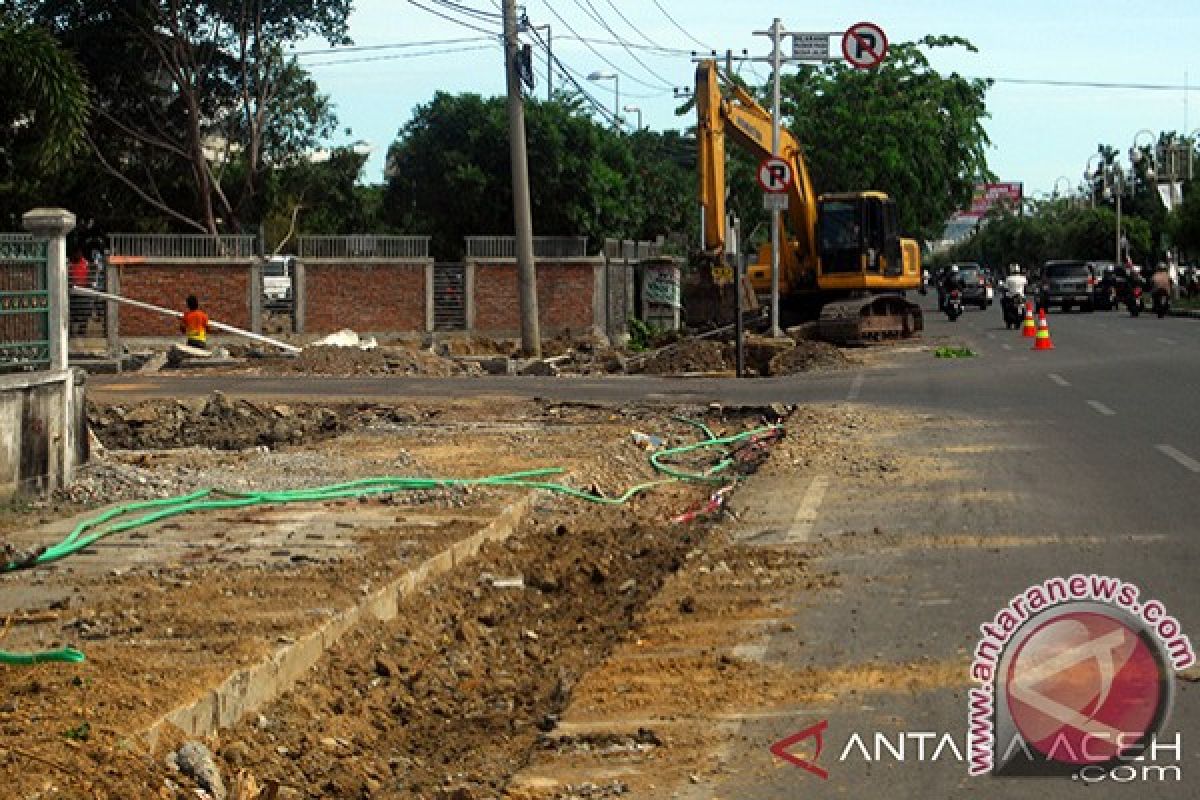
(469, 268)
(430, 320)
(112, 314)
(299, 296)
(53, 225)
(256, 296)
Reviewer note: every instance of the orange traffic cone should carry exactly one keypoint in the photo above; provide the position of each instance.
(1028, 329)
(1042, 342)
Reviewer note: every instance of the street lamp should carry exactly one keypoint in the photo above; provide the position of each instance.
(634, 110)
(1090, 175)
(616, 79)
(1061, 178)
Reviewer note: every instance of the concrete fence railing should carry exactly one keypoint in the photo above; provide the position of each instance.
(183, 246)
(363, 246)
(543, 247)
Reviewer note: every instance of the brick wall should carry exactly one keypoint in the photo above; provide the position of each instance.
(365, 297)
(566, 297)
(223, 289)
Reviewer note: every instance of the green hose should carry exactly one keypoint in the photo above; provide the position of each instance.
(121, 518)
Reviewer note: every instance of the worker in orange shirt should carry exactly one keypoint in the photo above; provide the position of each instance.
(195, 325)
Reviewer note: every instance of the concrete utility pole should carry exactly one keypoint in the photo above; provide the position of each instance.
(531, 340)
(777, 32)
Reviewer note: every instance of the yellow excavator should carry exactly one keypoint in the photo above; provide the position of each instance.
(841, 254)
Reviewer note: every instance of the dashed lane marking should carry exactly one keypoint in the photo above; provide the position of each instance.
(1185, 461)
(855, 388)
(1100, 408)
(809, 510)
(1059, 379)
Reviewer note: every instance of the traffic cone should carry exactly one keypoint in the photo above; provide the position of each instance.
(1042, 342)
(1028, 329)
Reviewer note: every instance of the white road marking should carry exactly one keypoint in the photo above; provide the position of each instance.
(1059, 379)
(751, 651)
(808, 511)
(1100, 408)
(1168, 341)
(1183, 460)
(1007, 346)
(855, 388)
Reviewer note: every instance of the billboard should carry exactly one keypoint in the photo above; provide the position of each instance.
(989, 195)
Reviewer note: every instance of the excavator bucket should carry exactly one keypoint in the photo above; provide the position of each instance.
(870, 319)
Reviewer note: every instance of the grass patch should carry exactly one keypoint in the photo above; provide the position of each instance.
(954, 352)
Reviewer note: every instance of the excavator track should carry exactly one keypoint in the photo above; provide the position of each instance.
(870, 319)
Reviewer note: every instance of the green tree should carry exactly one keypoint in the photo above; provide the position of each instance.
(902, 128)
(450, 177)
(43, 114)
(196, 102)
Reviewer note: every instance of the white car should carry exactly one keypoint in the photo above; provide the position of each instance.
(277, 278)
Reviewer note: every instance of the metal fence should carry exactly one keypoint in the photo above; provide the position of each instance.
(629, 250)
(363, 246)
(24, 304)
(183, 246)
(543, 247)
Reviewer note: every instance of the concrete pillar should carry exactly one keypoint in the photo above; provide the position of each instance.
(112, 314)
(256, 296)
(53, 225)
(600, 299)
(430, 322)
(469, 293)
(299, 296)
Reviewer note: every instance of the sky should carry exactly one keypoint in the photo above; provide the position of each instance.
(1040, 134)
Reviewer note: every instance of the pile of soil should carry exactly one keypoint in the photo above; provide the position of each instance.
(764, 356)
(390, 360)
(805, 356)
(690, 355)
(221, 423)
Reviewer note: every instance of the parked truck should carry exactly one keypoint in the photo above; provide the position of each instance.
(841, 257)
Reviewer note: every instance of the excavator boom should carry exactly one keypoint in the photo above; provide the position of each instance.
(835, 246)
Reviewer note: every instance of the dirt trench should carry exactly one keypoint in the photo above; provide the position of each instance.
(449, 701)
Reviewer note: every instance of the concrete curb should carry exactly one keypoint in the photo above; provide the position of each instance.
(250, 689)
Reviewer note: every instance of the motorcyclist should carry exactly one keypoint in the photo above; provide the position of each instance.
(1160, 280)
(1108, 285)
(953, 280)
(1016, 283)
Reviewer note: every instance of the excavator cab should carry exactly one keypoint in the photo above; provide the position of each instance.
(859, 239)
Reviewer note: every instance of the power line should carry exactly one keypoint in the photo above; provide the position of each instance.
(566, 74)
(635, 28)
(1154, 87)
(329, 51)
(455, 20)
(599, 55)
(604, 24)
(488, 16)
(681, 28)
(397, 56)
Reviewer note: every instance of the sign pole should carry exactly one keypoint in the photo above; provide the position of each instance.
(739, 323)
(776, 33)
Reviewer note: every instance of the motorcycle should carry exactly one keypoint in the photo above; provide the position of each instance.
(954, 307)
(1133, 300)
(1013, 306)
(1162, 303)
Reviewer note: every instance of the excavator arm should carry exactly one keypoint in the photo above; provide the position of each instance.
(724, 106)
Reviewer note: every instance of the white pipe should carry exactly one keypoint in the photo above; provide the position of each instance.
(221, 326)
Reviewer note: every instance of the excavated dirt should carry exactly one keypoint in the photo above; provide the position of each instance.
(449, 701)
(764, 357)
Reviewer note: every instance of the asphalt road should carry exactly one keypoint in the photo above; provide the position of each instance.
(1085, 459)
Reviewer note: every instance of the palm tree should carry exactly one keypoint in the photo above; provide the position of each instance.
(44, 113)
